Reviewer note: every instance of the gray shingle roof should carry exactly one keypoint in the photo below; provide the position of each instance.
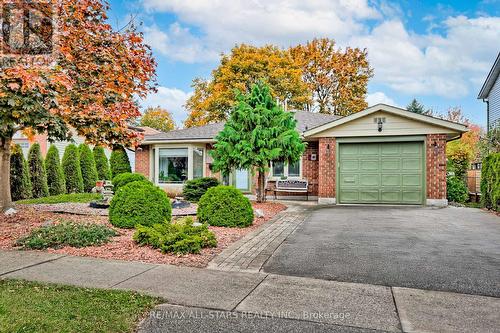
(305, 121)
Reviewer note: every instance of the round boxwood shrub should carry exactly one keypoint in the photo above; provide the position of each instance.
(125, 178)
(141, 203)
(194, 189)
(225, 206)
(456, 190)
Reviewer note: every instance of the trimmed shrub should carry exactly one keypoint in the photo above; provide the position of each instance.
(72, 171)
(225, 206)
(87, 165)
(456, 190)
(37, 173)
(66, 234)
(180, 238)
(194, 189)
(20, 183)
(119, 162)
(125, 178)
(55, 175)
(139, 203)
(101, 163)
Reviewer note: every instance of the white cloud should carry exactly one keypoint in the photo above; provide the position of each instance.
(172, 99)
(177, 43)
(450, 64)
(379, 97)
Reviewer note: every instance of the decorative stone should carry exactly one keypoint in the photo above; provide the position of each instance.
(10, 212)
(197, 224)
(258, 213)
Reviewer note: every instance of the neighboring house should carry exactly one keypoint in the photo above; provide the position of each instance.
(43, 140)
(490, 93)
(382, 155)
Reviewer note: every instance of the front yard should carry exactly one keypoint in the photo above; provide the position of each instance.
(35, 307)
(122, 246)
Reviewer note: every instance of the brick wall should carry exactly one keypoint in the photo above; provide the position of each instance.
(326, 175)
(436, 166)
(142, 160)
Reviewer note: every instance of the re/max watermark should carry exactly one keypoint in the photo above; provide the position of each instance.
(226, 315)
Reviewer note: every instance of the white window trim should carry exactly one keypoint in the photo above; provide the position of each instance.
(190, 148)
(285, 171)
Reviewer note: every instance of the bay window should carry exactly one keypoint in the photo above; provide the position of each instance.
(173, 166)
(176, 164)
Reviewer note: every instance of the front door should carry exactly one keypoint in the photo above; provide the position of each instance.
(241, 180)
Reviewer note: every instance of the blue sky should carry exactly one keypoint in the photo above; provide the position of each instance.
(437, 52)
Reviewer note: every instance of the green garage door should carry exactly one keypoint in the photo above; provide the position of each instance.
(389, 173)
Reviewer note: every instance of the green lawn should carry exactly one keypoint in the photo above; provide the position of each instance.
(74, 197)
(35, 307)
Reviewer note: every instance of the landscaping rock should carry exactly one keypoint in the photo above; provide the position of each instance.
(10, 212)
(258, 213)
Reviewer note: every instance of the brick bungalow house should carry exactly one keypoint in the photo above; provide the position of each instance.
(382, 155)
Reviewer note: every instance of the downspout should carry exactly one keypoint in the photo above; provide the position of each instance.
(487, 101)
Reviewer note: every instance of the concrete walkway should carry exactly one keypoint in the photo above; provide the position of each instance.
(214, 300)
(251, 252)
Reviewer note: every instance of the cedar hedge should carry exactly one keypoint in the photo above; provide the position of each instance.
(37, 173)
(72, 171)
(139, 202)
(490, 182)
(180, 238)
(119, 162)
(20, 183)
(101, 163)
(55, 174)
(225, 206)
(87, 165)
(125, 178)
(194, 189)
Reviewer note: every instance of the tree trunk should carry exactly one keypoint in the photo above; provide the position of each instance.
(261, 184)
(5, 198)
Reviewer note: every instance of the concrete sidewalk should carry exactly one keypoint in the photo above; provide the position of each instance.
(262, 302)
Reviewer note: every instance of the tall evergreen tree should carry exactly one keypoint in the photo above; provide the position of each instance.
(38, 176)
(119, 162)
(101, 163)
(416, 107)
(87, 165)
(72, 171)
(20, 184)
(55, 175)
(258, 132)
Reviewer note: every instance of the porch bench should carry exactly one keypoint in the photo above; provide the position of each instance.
(292, 186)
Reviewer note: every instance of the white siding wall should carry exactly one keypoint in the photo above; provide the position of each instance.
(494, 101)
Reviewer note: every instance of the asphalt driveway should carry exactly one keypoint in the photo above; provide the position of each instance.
(450, 249)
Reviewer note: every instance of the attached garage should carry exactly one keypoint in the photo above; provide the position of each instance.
(381, 173)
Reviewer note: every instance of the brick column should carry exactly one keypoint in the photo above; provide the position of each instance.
(436, 169)
(327, 170)
(142, 160)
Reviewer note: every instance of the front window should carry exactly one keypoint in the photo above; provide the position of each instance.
(173, 165)
(281, 169)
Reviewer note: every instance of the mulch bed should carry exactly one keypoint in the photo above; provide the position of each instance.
(122, 247)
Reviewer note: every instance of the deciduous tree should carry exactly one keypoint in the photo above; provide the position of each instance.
(213, 100)
(158, 118)
(337, 79)
(257, 132)
(90, 84)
